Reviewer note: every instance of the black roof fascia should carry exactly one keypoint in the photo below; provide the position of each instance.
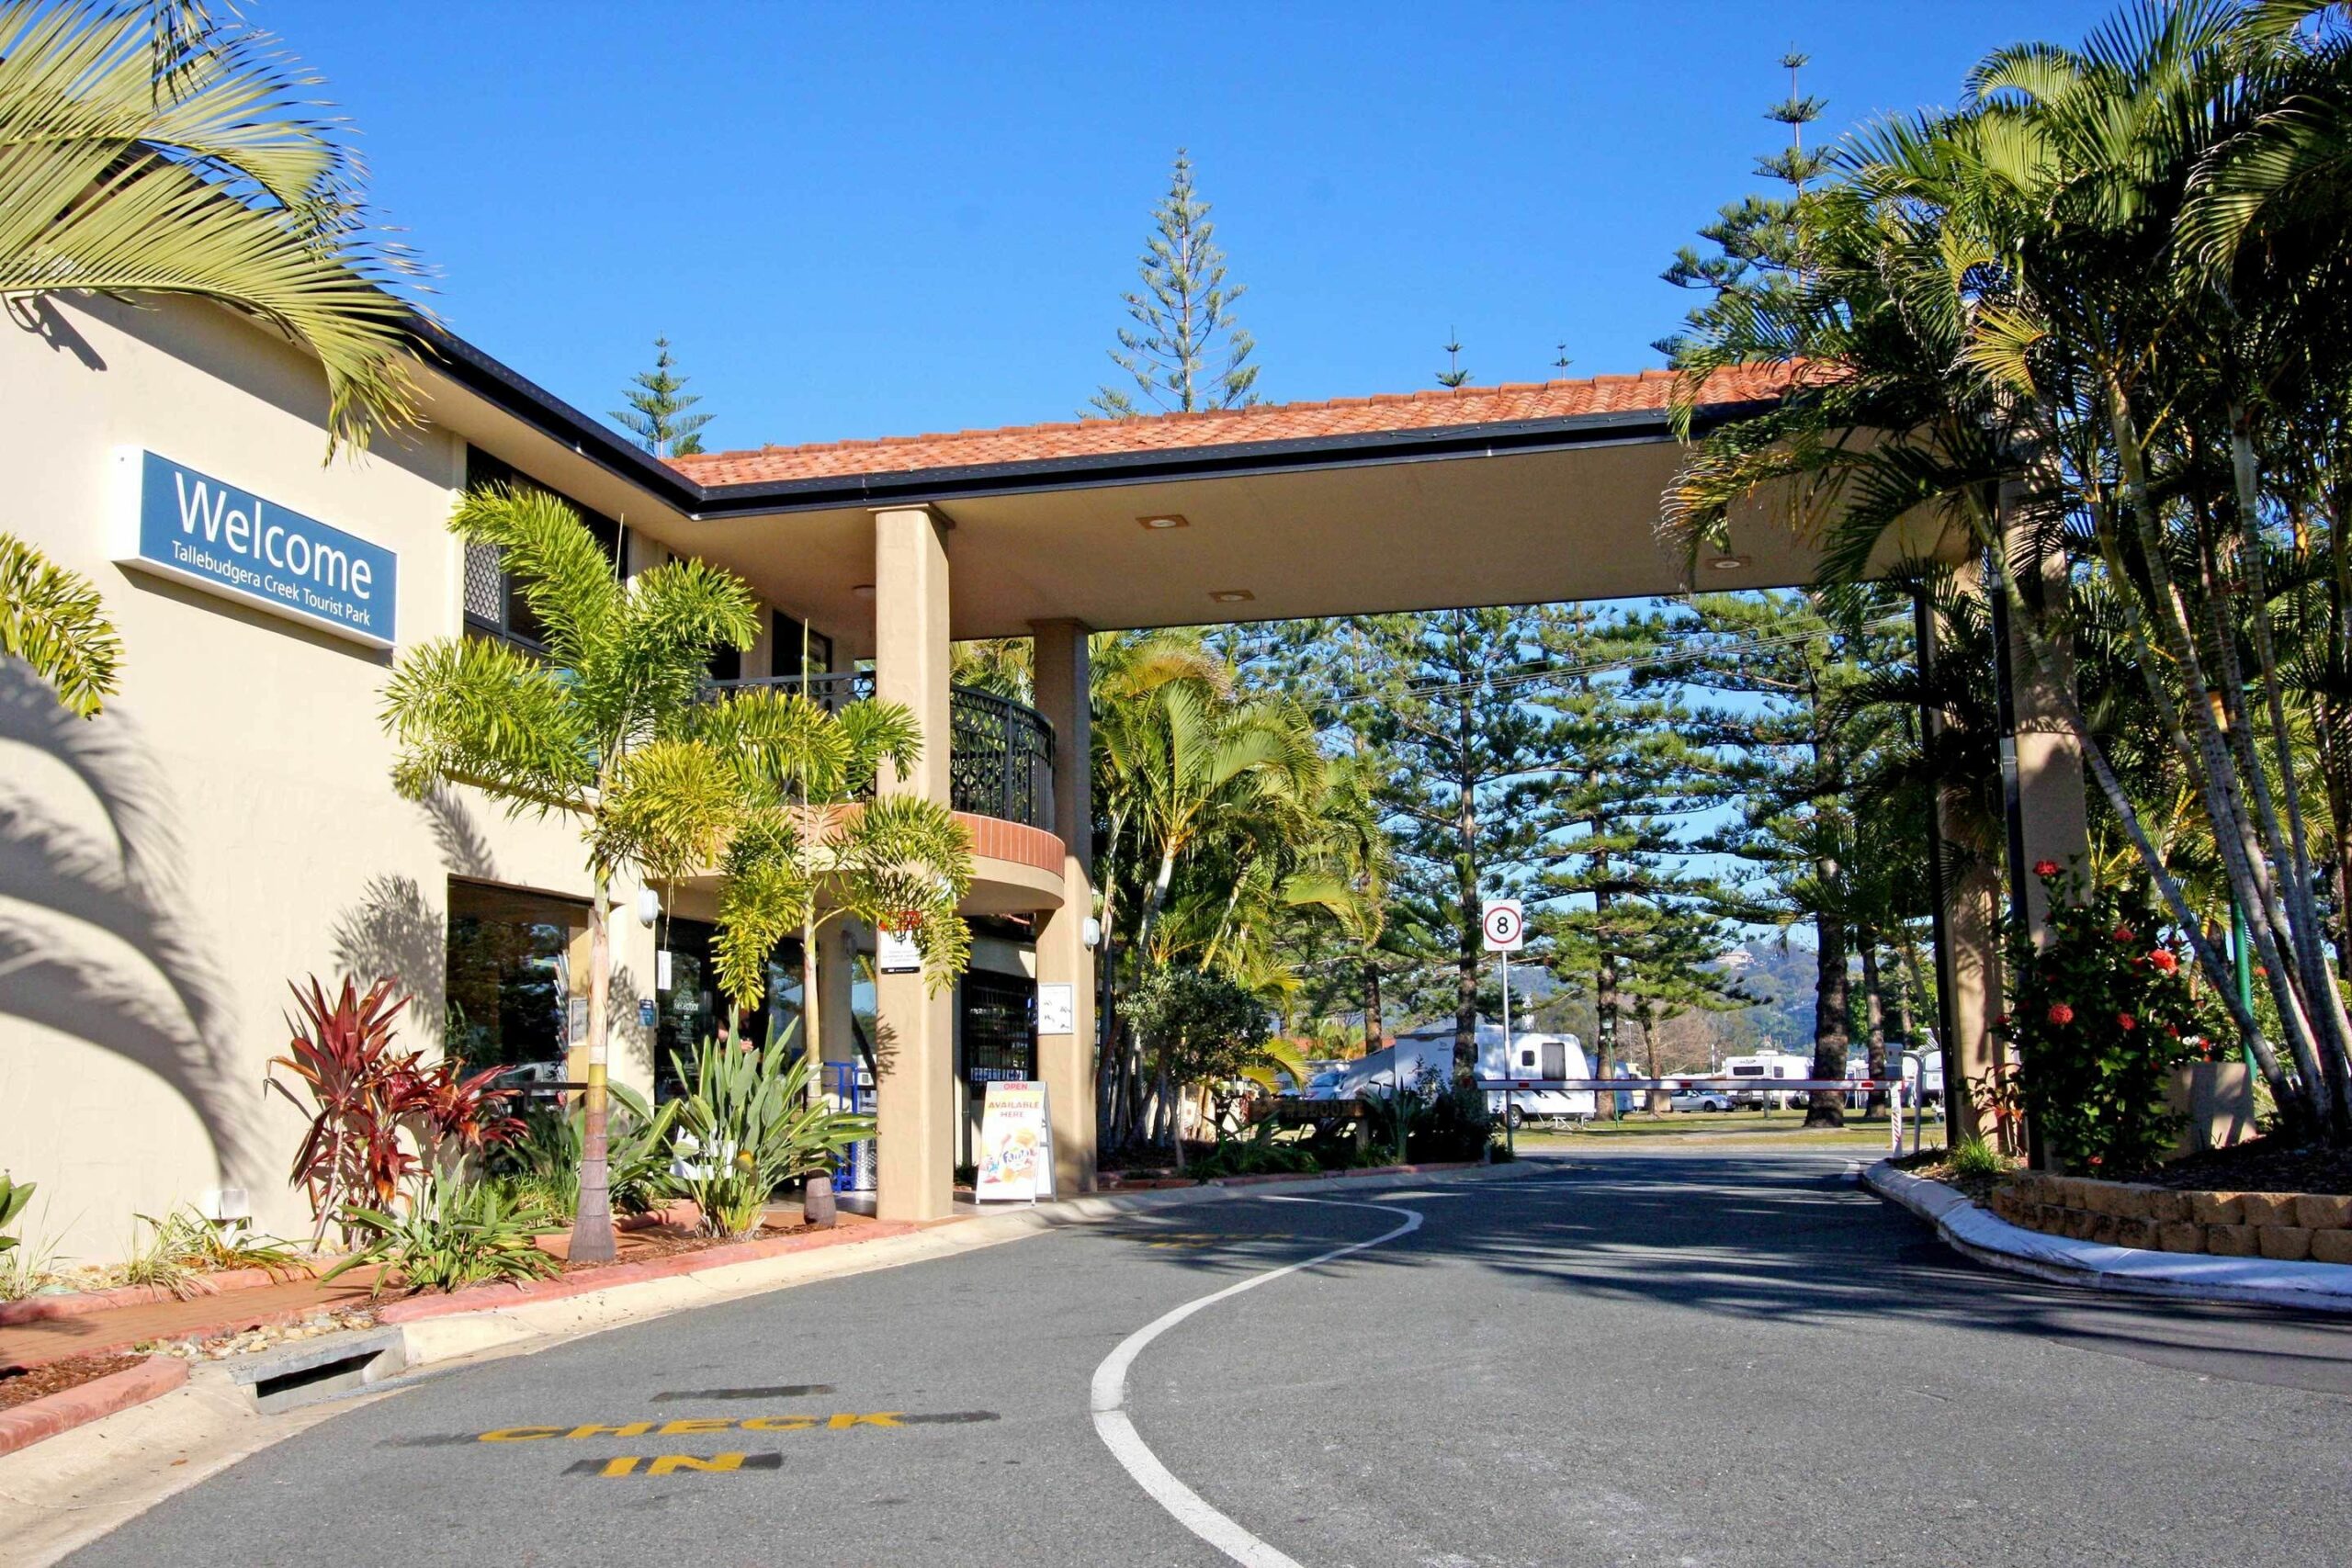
(552, 417)
(590, 438)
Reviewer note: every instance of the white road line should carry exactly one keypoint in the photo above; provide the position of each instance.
(1118, 1434)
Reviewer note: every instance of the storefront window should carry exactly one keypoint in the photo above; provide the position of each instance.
(690, 1008)
(508, 980)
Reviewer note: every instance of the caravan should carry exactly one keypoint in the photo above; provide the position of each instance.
(1430, 1050)
(1766, 1064)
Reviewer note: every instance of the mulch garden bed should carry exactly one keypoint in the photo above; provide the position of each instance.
(2263, 1165)
(23, 1387)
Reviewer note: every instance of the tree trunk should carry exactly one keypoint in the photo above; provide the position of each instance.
(1605, 1005)
(1832, 1026)
(1371, 1006)
(1467, 937)
(1874, 1019)
(591, 1228)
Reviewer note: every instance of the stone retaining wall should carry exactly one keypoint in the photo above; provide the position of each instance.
(2288, 1226)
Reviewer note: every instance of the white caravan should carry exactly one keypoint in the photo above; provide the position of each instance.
(1767, 1065)
(1530, 1056)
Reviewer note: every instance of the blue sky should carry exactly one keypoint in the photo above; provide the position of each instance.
(882, 219)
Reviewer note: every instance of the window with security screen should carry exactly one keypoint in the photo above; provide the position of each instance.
(1000, 1028)
(494, 603)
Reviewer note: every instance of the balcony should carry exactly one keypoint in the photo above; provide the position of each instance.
(999, 755)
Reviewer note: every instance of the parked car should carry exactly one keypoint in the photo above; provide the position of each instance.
(1700, 1100)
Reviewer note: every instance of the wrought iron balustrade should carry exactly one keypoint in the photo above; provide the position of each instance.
(999, 753)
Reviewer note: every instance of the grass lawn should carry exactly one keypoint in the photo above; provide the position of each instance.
(1731, 1127)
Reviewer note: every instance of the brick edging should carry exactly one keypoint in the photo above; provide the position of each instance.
(492, 1298)
(44, 1309)
(67, 1408)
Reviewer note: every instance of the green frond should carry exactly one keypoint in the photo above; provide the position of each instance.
(564, 576)
(669, 807)
(478, 711)
(54, 621)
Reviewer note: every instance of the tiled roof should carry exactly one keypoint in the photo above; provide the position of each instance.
(1462, 406)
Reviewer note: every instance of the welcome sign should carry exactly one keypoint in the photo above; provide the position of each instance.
(228, 541)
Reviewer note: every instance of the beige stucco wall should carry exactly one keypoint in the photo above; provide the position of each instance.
(228, 824)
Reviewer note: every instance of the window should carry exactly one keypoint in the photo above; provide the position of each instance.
(1000, 1028)
(726, 663)
(690, 1008)
(786, 645)
(508, 976)
(493, 604)
(1527, 1058)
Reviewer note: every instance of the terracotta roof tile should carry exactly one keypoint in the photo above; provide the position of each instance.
(1380, 414)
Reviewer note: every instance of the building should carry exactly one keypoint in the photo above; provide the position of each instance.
(229, 825)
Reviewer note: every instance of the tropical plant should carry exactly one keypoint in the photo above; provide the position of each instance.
(153, 149)
(2090, 321)
(53, 620)
(184, 1246)
(747, 1123)
(2101, 1013)
(812, 843)
(13, 1196)
(601, 730)
(544, 1158)
(1203, 1029)
(455, 1234)
(1975, 1158)
(378, 1114)
(1257, 1152)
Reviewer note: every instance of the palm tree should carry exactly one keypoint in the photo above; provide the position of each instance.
(813, 844)
(604, 731)
(148, 149)
(52, 619)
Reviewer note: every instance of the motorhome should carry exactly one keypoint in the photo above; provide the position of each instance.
(1430, 1049)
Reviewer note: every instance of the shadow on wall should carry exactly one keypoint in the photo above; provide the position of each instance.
(168, 1009)
(394, 930)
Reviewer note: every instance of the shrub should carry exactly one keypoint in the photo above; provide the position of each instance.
(543, 1159)
(747, 1125)
(2101, 1017)
(1256, 1153)
(1445, 1121)
(370, 1105)
(183, 1247)
(455, 1234)
(13, 1196)
(1975, 1157)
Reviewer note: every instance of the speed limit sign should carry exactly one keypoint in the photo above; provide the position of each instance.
(1505, 924)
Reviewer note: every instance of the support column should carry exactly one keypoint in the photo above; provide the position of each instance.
(914, 1047)
(2052, 820)
(1066, 1062)
(836, 984)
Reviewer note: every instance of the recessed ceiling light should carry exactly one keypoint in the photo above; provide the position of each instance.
(1166, 520)
(864, 591)
(1233, 595)
(1728, 562)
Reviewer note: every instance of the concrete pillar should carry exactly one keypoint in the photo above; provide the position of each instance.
(836, 984)
(914, 1026)
(2052, 822)
(1065, 1061)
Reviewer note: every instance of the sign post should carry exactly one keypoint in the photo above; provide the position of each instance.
(1504, 921)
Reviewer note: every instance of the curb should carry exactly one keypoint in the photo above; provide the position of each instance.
(45, 1309)
(1978, 1233)
(67, 1408)
(492, 1298)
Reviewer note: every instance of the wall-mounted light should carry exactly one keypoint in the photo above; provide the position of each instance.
(1727, 561)
(862, 589)
(649, 906)
(1090, 934)
(1232, 595)
(1166, 520)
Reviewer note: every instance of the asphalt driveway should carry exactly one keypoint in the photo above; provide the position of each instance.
(1627, 1358)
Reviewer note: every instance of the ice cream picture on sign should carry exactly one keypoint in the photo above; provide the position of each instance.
(1016, 1152)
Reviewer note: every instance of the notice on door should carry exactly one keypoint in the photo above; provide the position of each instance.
(1016, 1162)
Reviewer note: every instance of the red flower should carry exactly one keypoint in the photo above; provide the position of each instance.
(2045, 868)
(2125, 933)
(2164, 960)
(2001, 1020)
(2172, 1029)
(2127, 1021)
(2061, 1014)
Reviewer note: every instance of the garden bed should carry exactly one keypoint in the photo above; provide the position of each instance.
(2285, 1226)
(2264, 1165)
(22, 1386)
(647, 1243)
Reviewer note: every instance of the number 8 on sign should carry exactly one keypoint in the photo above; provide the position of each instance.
(1505, 924)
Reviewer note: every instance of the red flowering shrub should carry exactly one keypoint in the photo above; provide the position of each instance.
(2099, 1021)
